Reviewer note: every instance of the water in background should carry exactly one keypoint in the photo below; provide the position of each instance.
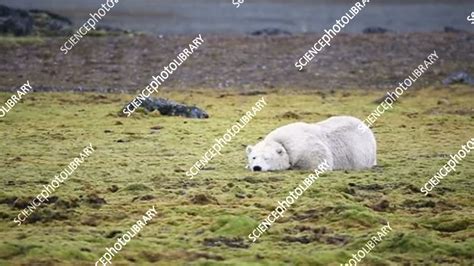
(220, 16)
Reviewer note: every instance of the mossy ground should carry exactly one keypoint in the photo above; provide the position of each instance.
(205, 221)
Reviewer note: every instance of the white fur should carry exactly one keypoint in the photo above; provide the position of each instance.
(339, 140)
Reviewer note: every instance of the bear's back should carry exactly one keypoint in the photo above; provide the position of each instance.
(333, 125)
(291, 131)
(338, 124)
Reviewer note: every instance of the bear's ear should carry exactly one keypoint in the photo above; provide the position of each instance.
(279, 150)
(248, 150)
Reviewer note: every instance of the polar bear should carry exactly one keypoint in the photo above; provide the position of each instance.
(344, 142)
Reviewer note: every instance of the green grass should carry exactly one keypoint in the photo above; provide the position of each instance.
(43, 133)
(13, 41)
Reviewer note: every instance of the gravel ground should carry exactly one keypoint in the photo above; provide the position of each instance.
(237, 62)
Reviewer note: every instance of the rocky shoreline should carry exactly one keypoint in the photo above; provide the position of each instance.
(37, 22)
(116, 62)
(126, 64)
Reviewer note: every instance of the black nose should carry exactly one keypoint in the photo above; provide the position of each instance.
(257, 168)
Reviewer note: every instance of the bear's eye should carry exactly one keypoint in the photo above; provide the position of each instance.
(254, 158)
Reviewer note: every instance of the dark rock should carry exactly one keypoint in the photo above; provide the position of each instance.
(270, 32)
(50, 24)
(52, 15)
(20, 22)
(459, 77)
(171, 108)
(15, 21)
(375, 30)
(452, 30)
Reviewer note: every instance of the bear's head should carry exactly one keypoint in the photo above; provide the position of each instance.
(267, 156)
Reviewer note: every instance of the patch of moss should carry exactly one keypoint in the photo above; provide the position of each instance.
(233, 225)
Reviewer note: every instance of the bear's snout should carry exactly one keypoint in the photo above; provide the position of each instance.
(257, 168)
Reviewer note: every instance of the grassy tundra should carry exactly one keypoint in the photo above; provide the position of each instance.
(141, 161)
